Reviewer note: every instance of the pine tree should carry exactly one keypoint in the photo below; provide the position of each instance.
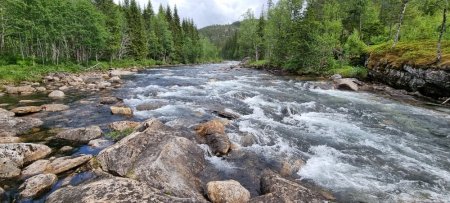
(136, 31)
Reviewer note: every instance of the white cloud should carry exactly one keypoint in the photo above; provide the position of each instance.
(208, 12)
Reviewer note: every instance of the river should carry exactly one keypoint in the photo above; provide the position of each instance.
(360, 146)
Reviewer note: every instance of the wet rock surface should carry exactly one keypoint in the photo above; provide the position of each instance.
(8, 168)
(23, 153)
(119, 110)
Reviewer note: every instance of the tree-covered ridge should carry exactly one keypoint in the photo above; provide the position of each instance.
(34, 32)
(218, 34)
(316, 36)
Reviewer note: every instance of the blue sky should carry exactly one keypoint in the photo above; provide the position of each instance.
(208, 12)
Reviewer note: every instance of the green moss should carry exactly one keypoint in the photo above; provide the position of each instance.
(417, 53)
(117, 135)
(259, 63)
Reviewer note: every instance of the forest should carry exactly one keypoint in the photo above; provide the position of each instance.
(69, 34)
(333, 36)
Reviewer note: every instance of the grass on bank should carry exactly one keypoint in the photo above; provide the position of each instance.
(26, 71)
(117, 135)
(418, 53)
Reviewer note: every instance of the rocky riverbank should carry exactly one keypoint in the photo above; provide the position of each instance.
(148, 161)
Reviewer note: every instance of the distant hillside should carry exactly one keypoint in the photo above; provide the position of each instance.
(218, 34)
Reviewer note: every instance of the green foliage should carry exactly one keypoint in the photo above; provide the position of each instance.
(349, 72)
(42, 33)
(324, 37)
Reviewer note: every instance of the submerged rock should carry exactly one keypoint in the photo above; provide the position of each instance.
(54, 107)
(57, 94)
(36, 185)
(229, 191)
(123, 125)
(99, 143)
(121, 111)
(81, 135)
(66, 149)
(109, 100)
(26, 110)
(149, 106)
(157, 158)
(113, 190)
(23, 153)
(277, 189)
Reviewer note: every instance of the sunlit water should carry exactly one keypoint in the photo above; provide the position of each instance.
(361, 146)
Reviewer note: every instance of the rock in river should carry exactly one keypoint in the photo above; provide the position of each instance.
(277, 189)
(36, 185)
(229, 191)
(26, 110)
(20, 90)
(36, 168)
(109, 100)
(159, 159)
(12, 126)
(81, 135)
(347, 84)
(214, 134)
(113, 190)
(121, 111)
(23, 153)
(64, 164)
(5, 113)
(54, 107)
(123, 125)
(57, 94)
(8, 168)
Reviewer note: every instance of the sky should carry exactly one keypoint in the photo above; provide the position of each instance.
(209, 12)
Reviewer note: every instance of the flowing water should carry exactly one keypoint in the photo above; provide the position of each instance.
(360, 146)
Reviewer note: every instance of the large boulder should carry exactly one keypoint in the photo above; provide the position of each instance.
(277, 189)
(113, 190)
(54, 107)
(81, 135)
(213, 133)
(116, 110)
(8, 168)
(36, 185)
(20, 90)
(23, 153)
(123, 125)
(57, 94)
(347, 84)
(26, 110)
(12, 126)
(229, 191)
(158, 158)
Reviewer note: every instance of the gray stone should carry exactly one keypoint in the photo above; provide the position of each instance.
(26, 110)
(346, 84)
(81, 135)
(5, 113)
(109, 100)
(277, 189)
(36, 185)
(123, 125)
(12, 126)
(66, 149)
(20, 89)
(229, 191)
(36, 168)
(8, 168)
(100, 143)
(149, 106)
(157, 158)
(23, 153)
(54, 107)
(114, 190)
(56, 94)
(6, 140)
(64, 164)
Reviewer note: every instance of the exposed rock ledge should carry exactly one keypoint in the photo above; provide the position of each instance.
(430, 82)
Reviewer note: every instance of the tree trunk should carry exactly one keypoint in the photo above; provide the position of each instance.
(402, 14)
(441, 35)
